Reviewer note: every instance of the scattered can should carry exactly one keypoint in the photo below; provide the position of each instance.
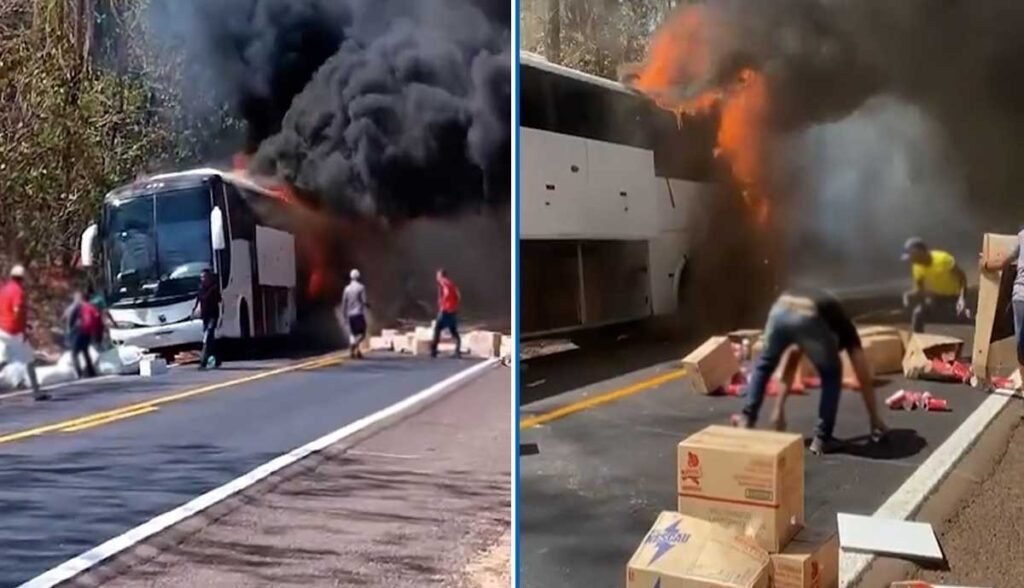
(922, 401)
(895, 401)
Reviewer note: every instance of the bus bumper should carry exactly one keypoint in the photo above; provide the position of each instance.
(176, 335)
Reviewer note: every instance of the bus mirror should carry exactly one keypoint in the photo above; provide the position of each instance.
(217, 229)
(88, 245)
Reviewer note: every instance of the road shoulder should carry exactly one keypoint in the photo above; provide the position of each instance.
(422, 502)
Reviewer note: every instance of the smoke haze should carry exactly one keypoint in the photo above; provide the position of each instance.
(884, 120)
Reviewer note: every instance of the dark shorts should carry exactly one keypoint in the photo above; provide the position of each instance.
(357, 325)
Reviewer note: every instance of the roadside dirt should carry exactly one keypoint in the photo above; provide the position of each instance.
(983, 540)
(424, 503)
(492, 569)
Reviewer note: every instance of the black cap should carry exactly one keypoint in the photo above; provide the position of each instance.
(912, 244)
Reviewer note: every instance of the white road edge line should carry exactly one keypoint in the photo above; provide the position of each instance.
(75, 566)
(908, 498)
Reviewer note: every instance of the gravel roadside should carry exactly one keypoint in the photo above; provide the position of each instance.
(425, 502)
(984, 540)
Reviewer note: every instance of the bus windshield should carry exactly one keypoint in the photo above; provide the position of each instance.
(158, 244)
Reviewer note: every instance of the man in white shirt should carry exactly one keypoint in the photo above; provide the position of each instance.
(353, 308)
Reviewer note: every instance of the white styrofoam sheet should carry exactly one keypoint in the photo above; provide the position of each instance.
(888, 537)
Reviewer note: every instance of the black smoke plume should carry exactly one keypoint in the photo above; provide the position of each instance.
(886, 119)
(378, 108)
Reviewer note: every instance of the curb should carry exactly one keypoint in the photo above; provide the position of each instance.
(144, 542)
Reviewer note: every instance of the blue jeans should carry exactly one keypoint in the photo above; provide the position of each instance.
(446, 320)
(787, 327)
(1018, 328)
(928, 308)
(209, 341)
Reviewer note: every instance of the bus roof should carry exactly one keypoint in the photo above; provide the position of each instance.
(530, 59)
(186, 178)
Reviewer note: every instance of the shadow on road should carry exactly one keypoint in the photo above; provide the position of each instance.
(900, 444)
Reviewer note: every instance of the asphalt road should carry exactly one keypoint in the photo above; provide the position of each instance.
(73, 483)
(603, 473)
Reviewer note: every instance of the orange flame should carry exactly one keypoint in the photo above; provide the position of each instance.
(317, 287)
(681, 58)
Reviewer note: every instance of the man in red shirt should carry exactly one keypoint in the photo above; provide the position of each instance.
(13, 321)
(448, 304)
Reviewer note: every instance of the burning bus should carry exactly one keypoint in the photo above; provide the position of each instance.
(611, 198)
(156, 236)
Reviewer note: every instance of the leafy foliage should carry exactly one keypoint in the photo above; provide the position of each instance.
(86, 103)
(596, 36)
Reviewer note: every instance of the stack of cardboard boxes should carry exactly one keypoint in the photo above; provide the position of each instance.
(740, 519)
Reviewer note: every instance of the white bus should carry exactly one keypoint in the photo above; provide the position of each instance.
(157, 235)
(610, 190)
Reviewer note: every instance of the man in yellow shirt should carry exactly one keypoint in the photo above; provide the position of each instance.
(940, 286)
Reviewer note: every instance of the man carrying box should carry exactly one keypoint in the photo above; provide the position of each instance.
(818, 326)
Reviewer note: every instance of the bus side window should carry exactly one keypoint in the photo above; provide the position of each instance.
(228, 201)
(242, 218)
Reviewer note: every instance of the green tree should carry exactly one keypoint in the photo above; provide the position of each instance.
(74, 123)
(594, 36)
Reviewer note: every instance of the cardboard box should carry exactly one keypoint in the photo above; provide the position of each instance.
(922, 348)
(152, 367)
(409, 343)
(381, 344)
(711, 366)
(750, 481)
(506, 346)
(753, 336)
(810, 560)
(807, 369)
(420, 346)
(485, 344)
(884, 349)
(992, 323)
(685, 552)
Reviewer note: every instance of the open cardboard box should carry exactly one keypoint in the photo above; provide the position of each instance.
(994, 351)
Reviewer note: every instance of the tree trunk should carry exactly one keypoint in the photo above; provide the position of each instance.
(553, 32)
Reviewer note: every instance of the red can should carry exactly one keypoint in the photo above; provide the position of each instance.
(895, 401)
(912, 401)
(922, 401)
(937, 404)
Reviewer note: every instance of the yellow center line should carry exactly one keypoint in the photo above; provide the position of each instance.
(601, 399)
(109, 419)
(71, 423)
(326, 363)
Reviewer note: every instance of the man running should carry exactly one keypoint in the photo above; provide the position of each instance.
(447, 318)
(940, 286)
(1017, 298)
(353, 306)
(13, 323)
(208, 303)
(818, 326)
